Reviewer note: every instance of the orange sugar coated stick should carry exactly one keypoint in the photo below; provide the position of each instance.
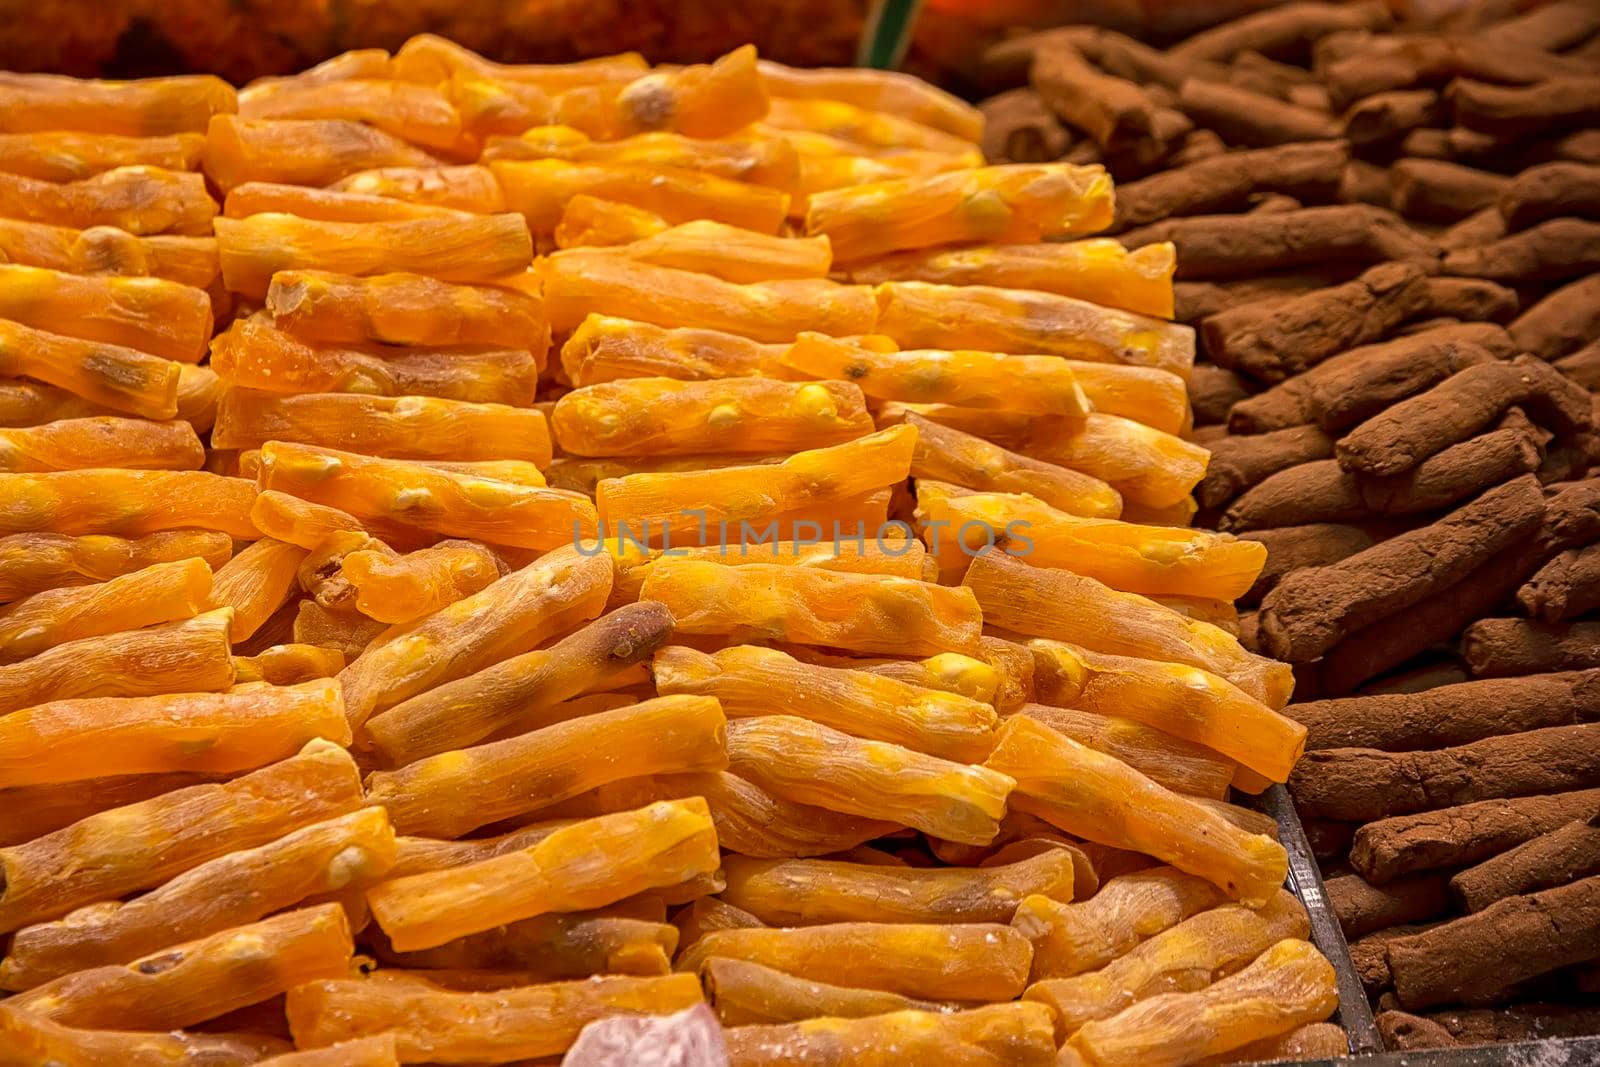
(327, 205)
(860, 612)
(161, 592)
(1100, 798)
(701, 100)
(139, 845)
(1057, 604)
(27, 1038)
(404, 309)
(288, 664)
(124, 502)
(378, 1050)
(141, 200)
(1169, 761)
(1017, 1034)
(604, 348)
(580, 282)
(398, 589)
(429, 59)
(660, 416)
(448, 503)
(151, 315)
(201, 979)
(190, 656)
(70, 155)
(463, 248)
(300, 151)
(516, 613)
(876, 90)
(26, 403)
(351, 850)
(256, 582)
(870, 131)
(540, 189)
(659, 845)
(454, 792)
(918, 314)
(731, 253)
(1042, 384)
(589, 220)
(418, 114)
(120, 379)
(149, 107)
(470, 188)
(253, 354)
(1098, 270)
(761, 159)
(429, 1022)
(299, 522)
(35, 562)
(108, 250)
(407, 427)
(101, 441)
(1018, 202)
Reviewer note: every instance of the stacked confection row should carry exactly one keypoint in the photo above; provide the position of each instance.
(648, 538)
(1388, 239)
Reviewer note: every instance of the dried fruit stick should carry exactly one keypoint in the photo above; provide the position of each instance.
(120, 379)
(203, 978)
(257, 582)
(350, 633)
(32, 563)
(1288, 985)
(300, 151)
(591, 221)
(28, 403)
(1127, 556)
(1169, 761)
(454, 792)
(658, 845)
(240, 887)
(408, 427)
(890, 552)
(749, 681)
(540, 188)
(448, 503)
(1091, 795)
(465, 248)
(70, 155)
(399, 589)
(918, 314)
(468, 710)
(39, 810)
(752, 821)
(465, 188)
(190, 656)
(1018, 203)
(378, 1050)
(860, 612)
(404, 309)
(815, 764)
(288, 664)
(101, 441)
(162, 592)
(956, 961)
(429, 59)
(814, 479)
(626, 938)
(946, 454)
(1074, 938)
(326, 205)
(107, 250)
(66, 740)
(604, 348)
(1010, 1033)
(29, 1038)
(149, 107)
(418, 114)
(583, 474)
(581, 282)
(1182, 700)
(1182, 959)
(517, 612)
(701, 100)
(661, 416)
(869, 131)
(428, 1022)
(730, 253)
(811, 892)
(1053, 603)
(130, 503)
(876, 90)
(299, 522)
(91, 860)
(1098, 270)
(753, 157)
(746, 994)
(140, 200)
(1037, 384)
(252, 354)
